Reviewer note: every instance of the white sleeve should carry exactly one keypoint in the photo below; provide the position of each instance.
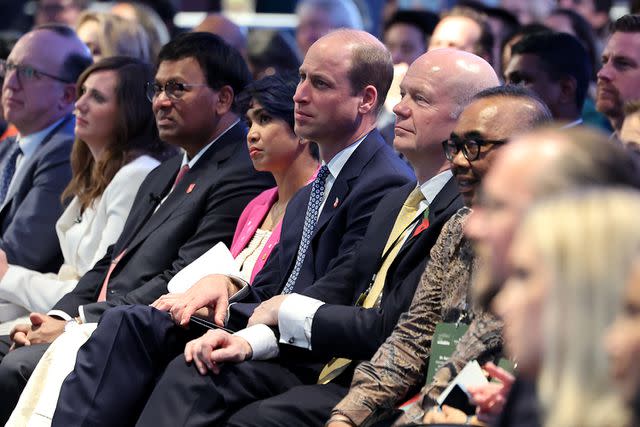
(295, 319)
(118, 200)
(262, 340)
(33, 290)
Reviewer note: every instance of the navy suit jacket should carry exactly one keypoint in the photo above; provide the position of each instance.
(201, 211)
(361, 331)
(29, 214)
(372, 170)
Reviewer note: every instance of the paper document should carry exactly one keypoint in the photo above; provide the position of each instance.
(471, 375)
(217, 260)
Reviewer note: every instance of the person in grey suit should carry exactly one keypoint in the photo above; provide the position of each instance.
(38, 96)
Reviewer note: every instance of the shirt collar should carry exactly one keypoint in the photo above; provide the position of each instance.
(29, 143)
(433, 186)
(338, 161)
(194, 159)
(572, 124)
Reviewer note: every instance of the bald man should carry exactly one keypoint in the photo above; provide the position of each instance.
(222, 26)
(314, 327)
(38, 96)
(343, 84)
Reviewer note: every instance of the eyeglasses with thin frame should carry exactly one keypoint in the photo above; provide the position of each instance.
(470, 147)
(26, 72)
(174, 90)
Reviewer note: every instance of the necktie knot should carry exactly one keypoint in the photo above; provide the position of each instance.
(323, 172)
(414, 199)
(181, 173)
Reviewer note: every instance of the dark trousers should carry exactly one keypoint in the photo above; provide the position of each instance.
(116, 369)
(132, 368)
(15, 369)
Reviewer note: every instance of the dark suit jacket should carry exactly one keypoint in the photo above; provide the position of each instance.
(360, 331)
(201, 211)
(31, 209)
(372, 170)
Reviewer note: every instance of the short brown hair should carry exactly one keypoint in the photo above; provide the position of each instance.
(371, 65)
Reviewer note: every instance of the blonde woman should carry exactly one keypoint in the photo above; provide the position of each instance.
(569, 264)
(106, 34)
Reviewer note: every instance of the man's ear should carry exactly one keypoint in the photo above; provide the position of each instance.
(568, 87)
(225, 100)
(69, 95)
(369, 100)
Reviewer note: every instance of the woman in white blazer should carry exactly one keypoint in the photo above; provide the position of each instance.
(116, 146)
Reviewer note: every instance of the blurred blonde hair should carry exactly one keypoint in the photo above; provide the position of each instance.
(588, 241)
(118, 36)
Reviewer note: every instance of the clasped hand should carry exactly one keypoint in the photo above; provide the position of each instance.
(208, 297)
(42, 330)
(214, 348)
(267, 312)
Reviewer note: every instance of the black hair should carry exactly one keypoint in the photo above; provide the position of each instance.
(561, 55)
(423, 20)
(275, 95)
(221, 64)
(272, 49)
(626, 24)
(584, 32)
(542, 113)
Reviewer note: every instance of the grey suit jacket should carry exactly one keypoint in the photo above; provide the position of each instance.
(32, 207)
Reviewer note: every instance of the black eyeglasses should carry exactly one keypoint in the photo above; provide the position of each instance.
(26, 72)
(470, 147)
(174, 90)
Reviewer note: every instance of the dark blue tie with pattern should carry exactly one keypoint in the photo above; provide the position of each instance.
(310, 219)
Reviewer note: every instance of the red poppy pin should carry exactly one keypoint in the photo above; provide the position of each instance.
(422, 226)
(191, 187)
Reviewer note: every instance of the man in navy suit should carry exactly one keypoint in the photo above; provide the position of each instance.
(185, 206)
(336, 106)
(38, 96)
(347, 278)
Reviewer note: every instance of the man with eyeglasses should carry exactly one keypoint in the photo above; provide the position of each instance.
(184, 207)
(374, 285)
(38, 95)
(484, 126)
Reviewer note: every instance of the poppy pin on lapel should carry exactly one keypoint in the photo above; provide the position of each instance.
(423, 225)
(191, 187)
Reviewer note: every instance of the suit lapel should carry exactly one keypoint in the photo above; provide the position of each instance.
(350, 171)
(448, 195)
(63, 130)
(194, 181)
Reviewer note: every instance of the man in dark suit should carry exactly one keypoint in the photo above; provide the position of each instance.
(38, 96)
(340, 285)
(183, 207)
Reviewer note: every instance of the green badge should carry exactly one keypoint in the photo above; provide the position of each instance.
(445, 340)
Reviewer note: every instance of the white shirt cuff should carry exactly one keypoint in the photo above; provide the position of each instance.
(262, 340)
(295, 319)
(59, 313)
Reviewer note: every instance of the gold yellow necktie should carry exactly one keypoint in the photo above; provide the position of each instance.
(401, 228)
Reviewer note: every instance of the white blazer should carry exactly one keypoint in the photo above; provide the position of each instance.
(83, 239)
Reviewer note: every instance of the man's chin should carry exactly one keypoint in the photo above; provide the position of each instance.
(609, 108)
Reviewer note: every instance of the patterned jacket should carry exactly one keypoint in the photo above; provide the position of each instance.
(400, 364)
